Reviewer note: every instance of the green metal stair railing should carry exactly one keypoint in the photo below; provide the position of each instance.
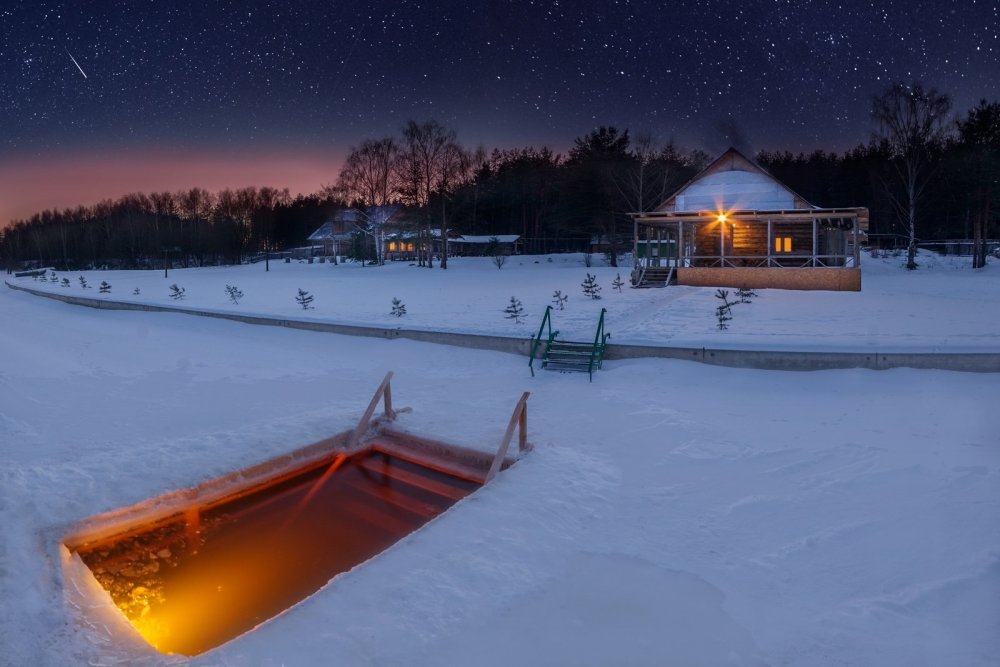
(600, 341)
(537, 340)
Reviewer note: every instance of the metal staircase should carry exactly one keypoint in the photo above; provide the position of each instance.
(565, 355)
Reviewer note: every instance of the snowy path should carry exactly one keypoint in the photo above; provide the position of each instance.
(671, 512)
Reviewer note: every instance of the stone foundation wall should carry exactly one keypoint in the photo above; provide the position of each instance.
(821, 278)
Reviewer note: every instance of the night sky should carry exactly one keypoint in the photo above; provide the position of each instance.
(99, 98)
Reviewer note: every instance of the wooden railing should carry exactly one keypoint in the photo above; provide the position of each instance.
(383, 392)
(519, 420)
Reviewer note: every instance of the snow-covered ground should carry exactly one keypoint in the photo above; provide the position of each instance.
(943, 307)
(671, 513)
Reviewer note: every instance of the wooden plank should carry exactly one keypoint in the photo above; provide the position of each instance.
(508, 434)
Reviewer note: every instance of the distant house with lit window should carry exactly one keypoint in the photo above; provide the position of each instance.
(335, 236)
(736, 225)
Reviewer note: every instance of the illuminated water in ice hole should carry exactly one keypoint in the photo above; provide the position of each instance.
(188, 587)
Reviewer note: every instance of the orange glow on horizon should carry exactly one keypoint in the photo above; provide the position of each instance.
(31, 184)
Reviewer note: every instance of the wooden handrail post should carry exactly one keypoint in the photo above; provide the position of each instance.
(384, 392)
(518, 418)
(522, 433)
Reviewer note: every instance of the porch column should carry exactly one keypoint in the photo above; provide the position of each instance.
(680, 243)
(815, 241)
(857, 252)
(722, 244)
(770, 241)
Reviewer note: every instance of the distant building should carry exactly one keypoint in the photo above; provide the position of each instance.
(335, 236)
(736, 225)
(469, 245)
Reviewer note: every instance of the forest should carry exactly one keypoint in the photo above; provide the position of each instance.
(925, 175)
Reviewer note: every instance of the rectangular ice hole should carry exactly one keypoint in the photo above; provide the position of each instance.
(194, 579)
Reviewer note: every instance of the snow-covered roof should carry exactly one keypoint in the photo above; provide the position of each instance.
(324, 233)
(500, 238)
(733, 182)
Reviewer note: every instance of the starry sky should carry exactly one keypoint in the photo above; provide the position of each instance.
(99, 98)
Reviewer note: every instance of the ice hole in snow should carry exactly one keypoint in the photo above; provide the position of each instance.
(193, 569)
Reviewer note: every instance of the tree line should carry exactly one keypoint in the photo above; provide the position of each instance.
(923, 175)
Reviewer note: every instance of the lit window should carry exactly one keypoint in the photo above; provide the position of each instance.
(409, 247)
(392, 246)
(782, 244)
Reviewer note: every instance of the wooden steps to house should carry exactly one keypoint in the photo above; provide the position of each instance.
(656, 276)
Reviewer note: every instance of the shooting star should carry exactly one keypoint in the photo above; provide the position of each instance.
(76, 63)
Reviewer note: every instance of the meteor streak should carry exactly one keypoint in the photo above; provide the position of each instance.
(76, 63)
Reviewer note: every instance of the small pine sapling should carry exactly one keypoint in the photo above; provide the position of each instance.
(745, 294)
(514, 310)
(559, 299)
(304, 298)
(65, 282)
(52, 276)
(176, 293)
(83, 283)
(617, 283)
(724, 313)
(591, 288)
(398, 307)
(234, 293)
(136, 291)
(105, 287)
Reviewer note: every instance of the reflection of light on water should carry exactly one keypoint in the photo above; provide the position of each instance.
(188, 589)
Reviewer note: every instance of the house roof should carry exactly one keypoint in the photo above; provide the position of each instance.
(736, 185)
(348, 218)
(501, 238)
(733, 182)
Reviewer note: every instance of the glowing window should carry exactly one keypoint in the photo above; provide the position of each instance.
(782, 244)
(392, 246)
(409, 247)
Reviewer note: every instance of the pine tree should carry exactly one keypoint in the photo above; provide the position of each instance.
(83, 283)
(514, 310)
(136, 291)
(745, 294)
(304, 298)
(176, 293)
(591, 288)
(724, 312)
(105, 287)
(559, 299)
(65, 282)
(234, 293)
(52, 277)
(617, 283)
(398, 307)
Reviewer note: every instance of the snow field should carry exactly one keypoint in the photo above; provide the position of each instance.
(671, 513)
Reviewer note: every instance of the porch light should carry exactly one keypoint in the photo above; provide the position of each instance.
(722, 217)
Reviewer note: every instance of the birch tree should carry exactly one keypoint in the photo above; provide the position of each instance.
(913, 121)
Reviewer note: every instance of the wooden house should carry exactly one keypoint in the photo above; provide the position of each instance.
(334, 235)
(735, 225)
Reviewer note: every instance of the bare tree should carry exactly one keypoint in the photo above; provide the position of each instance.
(370, 178)
(431, 162)
(913, 122)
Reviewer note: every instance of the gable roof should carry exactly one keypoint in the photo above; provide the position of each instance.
(733, 182)
(342, 223)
